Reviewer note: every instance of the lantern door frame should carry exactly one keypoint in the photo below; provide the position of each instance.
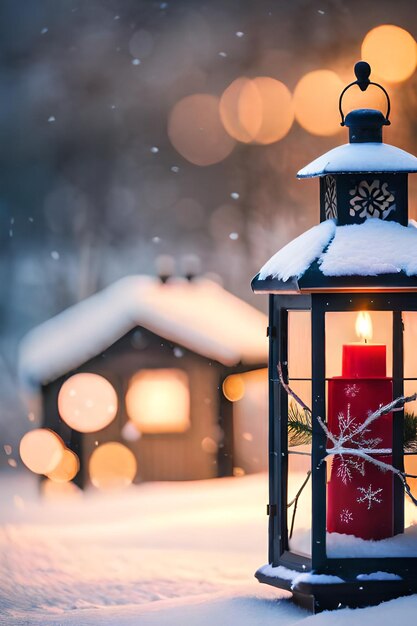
(319, 304)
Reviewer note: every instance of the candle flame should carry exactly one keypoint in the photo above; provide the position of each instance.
(363, 326)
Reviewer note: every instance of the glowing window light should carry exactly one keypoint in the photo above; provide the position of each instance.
(258, 110)
(234, 387)
(391, 52)
(316, 99)
(112, 466)
(41, 450)
(196, 131)
(158, 401)
(66, 469)
(87, 402)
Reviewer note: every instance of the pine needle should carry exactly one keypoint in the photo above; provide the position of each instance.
(299, 426)
(410, 432)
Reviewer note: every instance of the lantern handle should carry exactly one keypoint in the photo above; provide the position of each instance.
(362, 73)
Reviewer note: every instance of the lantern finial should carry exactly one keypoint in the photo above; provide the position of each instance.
(362, 72)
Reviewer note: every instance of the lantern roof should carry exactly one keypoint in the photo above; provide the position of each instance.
(361, 157)
(198, 315)
(375, 255)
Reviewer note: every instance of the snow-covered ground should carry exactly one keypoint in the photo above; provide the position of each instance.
(157, 554)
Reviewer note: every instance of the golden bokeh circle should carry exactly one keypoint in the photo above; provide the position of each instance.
(41, 450)
(242, 120)
(258, 110)
(112, 466)
(196, 131)
(66, 469)
(234, 387)
(316, 100)
(87, 402)
(277, 113)
(391, 52)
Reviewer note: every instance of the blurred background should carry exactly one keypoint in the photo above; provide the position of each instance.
(132, 129)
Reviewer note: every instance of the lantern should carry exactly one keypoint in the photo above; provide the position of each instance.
(343, 377)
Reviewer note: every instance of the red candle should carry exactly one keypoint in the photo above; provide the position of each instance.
(359, 493)
(364, 360)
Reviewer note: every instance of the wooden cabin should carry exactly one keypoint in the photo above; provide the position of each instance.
(170, 360)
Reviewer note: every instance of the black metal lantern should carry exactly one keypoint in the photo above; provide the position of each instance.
(350, 545)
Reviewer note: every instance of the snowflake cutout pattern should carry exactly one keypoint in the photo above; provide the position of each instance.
(330, 199)
(346, 516)
(369, 496)
(371, 200)
(348, 432)
(351, 391)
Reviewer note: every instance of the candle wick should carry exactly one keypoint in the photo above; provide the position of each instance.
(366, 341)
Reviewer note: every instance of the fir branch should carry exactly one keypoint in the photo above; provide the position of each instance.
(299, 426)
(410, 432)
(339, 448)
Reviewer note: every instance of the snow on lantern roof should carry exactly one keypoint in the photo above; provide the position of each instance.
(374, 248)
(199, 315)
(361, 157)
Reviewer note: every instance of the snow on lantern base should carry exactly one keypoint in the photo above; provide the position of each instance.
(360, 495)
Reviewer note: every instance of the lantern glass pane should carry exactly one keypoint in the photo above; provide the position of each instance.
(299, 344)
(348, 328)
(251, 435)
(299, 501)
(410, 343)
(299, 466)
(410, 451)
(362, 501)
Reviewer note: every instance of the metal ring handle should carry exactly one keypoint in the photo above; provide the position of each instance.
(362, 73)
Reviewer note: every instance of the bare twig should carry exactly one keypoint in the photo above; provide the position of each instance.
(364, 453)
(289, 391)
(294, 502)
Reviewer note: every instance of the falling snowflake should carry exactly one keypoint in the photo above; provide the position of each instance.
(369, 495)
(351, 391)
(371, 200)
(346, 516)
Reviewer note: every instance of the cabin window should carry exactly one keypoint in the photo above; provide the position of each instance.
(158, 401)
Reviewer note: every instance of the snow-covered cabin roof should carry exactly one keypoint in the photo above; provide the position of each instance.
(326, 253)
(199, 315)
(361, 157)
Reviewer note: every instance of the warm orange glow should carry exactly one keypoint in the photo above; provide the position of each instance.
(277, 113)
(258, 110)
(158, 401)
(112, 466)
(87, 402)
(41, 450)
(391, 51)
(316, 99)
(363, 326)
(241, 110)
(52, 490)
(196, 131)
(234, 387)
(66, 469)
